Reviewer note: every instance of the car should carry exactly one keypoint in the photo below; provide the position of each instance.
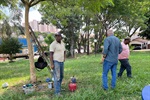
(137, 48)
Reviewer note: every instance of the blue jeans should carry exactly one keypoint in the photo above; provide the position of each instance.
(106, 67)
(58, 73)
(125, 65)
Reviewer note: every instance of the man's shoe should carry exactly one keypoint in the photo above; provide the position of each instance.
(112, 88)
(104, 88)
(119, 76)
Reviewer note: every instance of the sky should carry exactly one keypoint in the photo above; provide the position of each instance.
(33, 15)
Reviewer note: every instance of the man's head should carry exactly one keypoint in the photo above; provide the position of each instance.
(127, 40)
(109, 32)
(58, 36)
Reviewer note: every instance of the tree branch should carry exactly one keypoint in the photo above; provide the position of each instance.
(35, 2)
(23, 1)
(31, 2)
(134, 31)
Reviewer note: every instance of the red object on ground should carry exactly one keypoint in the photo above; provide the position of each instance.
(72, 86)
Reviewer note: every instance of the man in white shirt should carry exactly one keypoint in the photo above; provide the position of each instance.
(57, 58)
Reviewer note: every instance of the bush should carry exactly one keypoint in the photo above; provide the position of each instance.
(10, 46)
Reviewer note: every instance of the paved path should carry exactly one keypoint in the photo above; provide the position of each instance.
(5, 59)
(142, 50)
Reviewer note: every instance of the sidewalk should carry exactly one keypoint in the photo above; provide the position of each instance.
(142, 50)
(6, 59)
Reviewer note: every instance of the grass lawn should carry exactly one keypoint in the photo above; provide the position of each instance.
(87, 70)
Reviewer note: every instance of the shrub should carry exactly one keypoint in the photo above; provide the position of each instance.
(10, 46)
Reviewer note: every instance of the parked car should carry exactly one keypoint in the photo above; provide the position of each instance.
(137, 48)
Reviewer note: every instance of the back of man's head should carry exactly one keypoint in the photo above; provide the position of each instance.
(110, 32)
(127, 38)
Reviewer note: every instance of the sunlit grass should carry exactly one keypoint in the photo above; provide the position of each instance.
(87, 70)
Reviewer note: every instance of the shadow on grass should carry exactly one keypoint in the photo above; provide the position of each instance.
(15, 69)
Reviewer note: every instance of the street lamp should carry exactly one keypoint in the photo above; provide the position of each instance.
(95, 41)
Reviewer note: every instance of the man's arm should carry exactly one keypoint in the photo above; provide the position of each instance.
(106, 45)
(64, 56)
(120, 48)
(51, 60)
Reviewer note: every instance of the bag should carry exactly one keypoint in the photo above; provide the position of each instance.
(41, 63)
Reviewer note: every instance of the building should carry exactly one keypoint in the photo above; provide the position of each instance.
(139, 43)
(37, 27)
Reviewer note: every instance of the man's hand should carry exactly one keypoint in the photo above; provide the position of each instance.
(102, 60)
(52, 66)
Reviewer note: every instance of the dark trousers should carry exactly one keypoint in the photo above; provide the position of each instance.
(125, 65)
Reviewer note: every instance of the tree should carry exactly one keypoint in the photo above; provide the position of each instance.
(28, 4)
(10, 3)
(10, 46)
(6, 3)
(68, 16)
(146, 32)
(11, 23)
(68, 19)
(132, 15)
(49, 39)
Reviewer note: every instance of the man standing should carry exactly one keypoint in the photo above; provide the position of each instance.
(124, 58)
(57, 58)
(112, 47)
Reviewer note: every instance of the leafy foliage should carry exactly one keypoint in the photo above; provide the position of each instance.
(133, 15)
(65, 16)
(10, 4)
(95, 5)
(10, 46)
(146, 32)
(49, 39)
(11, 24)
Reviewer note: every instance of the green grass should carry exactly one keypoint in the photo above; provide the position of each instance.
(87, 70)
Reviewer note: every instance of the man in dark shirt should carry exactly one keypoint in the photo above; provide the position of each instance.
(112, 47)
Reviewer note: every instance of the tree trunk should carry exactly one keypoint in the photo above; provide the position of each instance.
(11, 57)
(72, 48)
(84, 43)
(79, 47)
(88, 43)
(30, 49)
